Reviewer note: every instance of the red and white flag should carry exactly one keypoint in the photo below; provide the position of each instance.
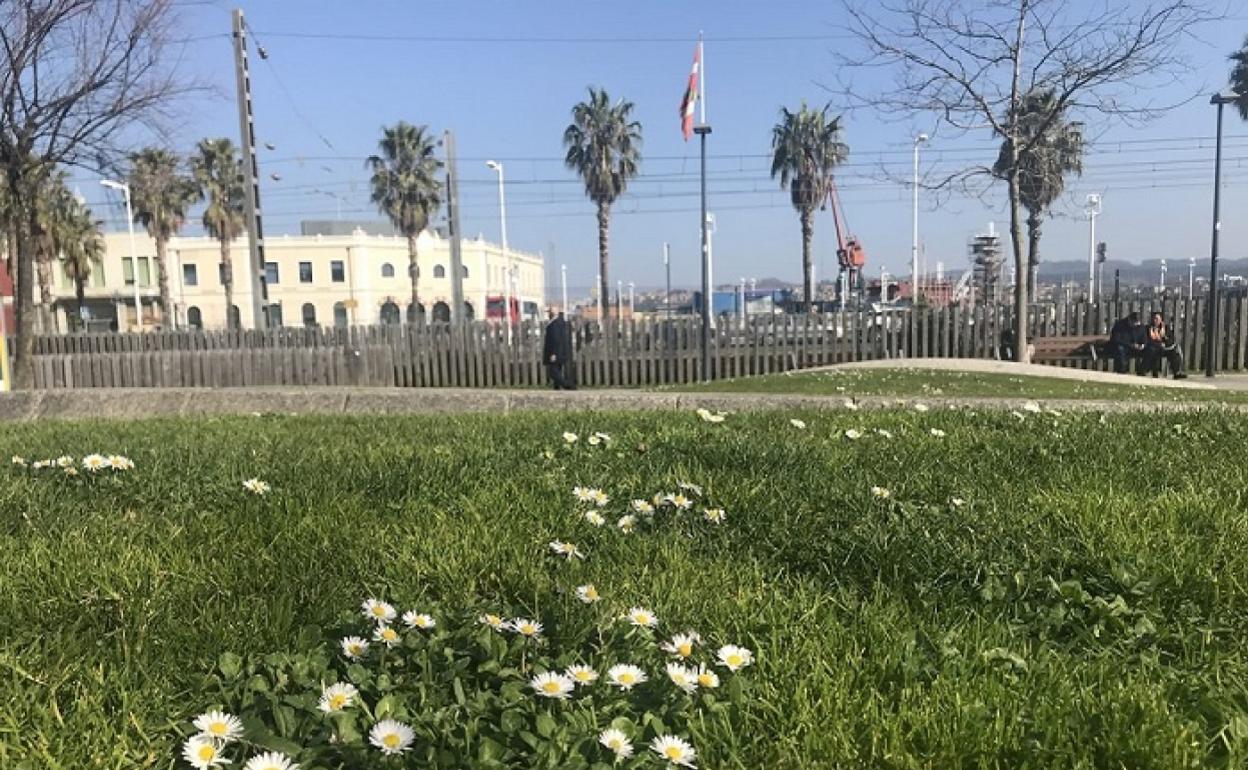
(691, 95)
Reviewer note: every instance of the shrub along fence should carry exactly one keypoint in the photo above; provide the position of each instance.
(624, 353)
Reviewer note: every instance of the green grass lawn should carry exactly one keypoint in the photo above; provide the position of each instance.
(1085, 606)
(917, 383)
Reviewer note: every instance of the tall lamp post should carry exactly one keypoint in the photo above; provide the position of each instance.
(1211, 318)
(134, 251)
(502, 215)
(563, 286)
(1092, 208)
(914, 242)
(1191, 276)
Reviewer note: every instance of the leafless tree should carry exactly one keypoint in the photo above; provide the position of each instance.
(79, 79)
(970, 63)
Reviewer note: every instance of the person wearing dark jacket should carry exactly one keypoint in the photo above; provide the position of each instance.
(1159, 344)
(557, 353)
(1125, 342)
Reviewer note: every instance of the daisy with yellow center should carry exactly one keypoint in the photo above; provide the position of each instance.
(257, 487)
(526, 627)
(617, 743)
(707, 679)
(674, 750)
(599, 498)
(387, 635)
(219, 726)
(354, 647)
(337, 697)
(587, 593)
(714, 515)
(71, 471)
(18, 461)
(881, 493)
(569, 438)
(681, 645)
(118, 463)
(95, 463)
(271, 760)
(202, 753)
(709, 416)
(642, 507)
(625, 677)
(495, 622)
(552, 685)
(583, 494)
(39, 464)
(627, 523)
(378, 611)
(595, 518)
(679, 502)
(568, 550)
(660, 499)
(734, 658)
(391, 736)
(65, 461)
(642, 617)
(691, 488)
(582, 675)
(419, 620)
(682, 677)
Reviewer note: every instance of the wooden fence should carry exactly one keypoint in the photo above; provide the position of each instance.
(625, 353)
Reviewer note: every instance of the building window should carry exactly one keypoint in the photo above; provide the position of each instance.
(439, 271)
(145, 271)
(387, 270)
(190, 275)
(390, 313)
(194, 318)
(305, 272)
(336, 272)
(271, 274)
(275, 315)
(127, 270)
(441, 313)
(309, 314)
(340, 315)
(97, 273)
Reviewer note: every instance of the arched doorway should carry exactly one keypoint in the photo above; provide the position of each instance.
(441, 313)
(415, 313)
(340, 315)
(194, 318)
(236, 318)
(309, 314)
(390, 313)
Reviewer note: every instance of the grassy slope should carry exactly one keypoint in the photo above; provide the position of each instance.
(913, 382)
(871, 620)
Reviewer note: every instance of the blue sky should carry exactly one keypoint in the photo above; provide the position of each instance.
(498, 80)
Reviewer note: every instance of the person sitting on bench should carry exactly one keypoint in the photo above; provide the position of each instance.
(1159, 343)
(1125, 342)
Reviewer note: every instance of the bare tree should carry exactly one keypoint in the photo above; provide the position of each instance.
(75, 77)
(970, 63)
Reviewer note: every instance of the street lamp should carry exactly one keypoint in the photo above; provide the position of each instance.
(134, 252)
(1211, 318)
(563, 285)
(1092, 208)
(502, 215)
(1191, 276)
(914, 243)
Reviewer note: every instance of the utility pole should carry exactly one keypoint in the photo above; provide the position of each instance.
(1092, 208)
(1211, 317)
(703, 130)
(667, 267)
(458, 308)
(632, 299)
(251, 173)
(563, 286)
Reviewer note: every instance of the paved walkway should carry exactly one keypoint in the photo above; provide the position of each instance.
(989, 366)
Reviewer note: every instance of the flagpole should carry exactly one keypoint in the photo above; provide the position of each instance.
(702, 130)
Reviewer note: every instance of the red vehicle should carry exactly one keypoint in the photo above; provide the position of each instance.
(494, 308)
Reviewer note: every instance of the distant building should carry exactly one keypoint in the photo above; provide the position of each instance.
(324, 227)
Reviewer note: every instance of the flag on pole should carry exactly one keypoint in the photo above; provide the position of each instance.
(691, 95)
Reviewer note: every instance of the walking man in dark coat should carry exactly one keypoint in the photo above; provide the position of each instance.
(557, 353)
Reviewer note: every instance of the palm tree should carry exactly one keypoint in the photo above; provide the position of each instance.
(1239, 78)
(407, 188)
(54, 205)
(81, 246)
(219, 178)
(1051, 148)
(604, 149)
(160, 196)
(806, 147)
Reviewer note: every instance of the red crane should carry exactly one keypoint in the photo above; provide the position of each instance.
(849, 252)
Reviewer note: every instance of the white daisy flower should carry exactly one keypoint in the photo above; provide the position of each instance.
(714, 515)
(40, 464)
(660, 499)
(938, 433)
(851, 405)
(594, 440)
(686, 486)
(587, 593)
(71, 471)
(19, 461)
(391, 736)
(495, 622)
(387, 635)
(570, 438)
(257, 487)
(642, 507)
(920, 407)
(674, 750)
(709, 416)
(679, 502)
(853, 434)
(92, 463)
(707, 679)
(414, 619)
(595, 518)
(552, 685)
(884, 433)
(118, 463)
(354, 647)
(582, 674)
(583, 494)
(626, 523)
(65, 461)
(681, 645)
(337, 697)
(625, 676)
(599, 498)
(270, 760)
(566, 549)
(881, 492)
(734, 658)
(1033, 407)
(796, 423)
(219, 726)
(617, 742)
(202, 753)
(682, 677)
(526, 627)
(957, 502)
(642, 618)
(378, 611)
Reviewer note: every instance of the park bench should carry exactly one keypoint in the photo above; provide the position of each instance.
(1068, 348)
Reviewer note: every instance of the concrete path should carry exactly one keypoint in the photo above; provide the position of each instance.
(989, 366)
(139, 403)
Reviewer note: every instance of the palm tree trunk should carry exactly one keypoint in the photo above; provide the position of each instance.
(1020, 269)
(604, 284)
(44, 271)
(1033, 254)
(808, 235)
(413, 271)
(227, 281)
(24, 363)
(166, 309)
(80, 290)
